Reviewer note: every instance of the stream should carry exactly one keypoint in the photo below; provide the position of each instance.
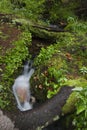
(37, 44)
(64, 123)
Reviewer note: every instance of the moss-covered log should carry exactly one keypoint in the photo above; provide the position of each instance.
(41, 30)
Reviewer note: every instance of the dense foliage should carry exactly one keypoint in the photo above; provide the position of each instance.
(81, 105)
(61, 63)
(47, 10)
(55, 63)
(23, 8)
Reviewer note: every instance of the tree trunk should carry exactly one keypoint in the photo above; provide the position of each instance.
(45, 114)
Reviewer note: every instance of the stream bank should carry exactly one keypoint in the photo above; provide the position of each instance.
(66, 57)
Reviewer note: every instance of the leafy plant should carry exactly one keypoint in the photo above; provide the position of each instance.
(83, 70)
(75, 25)
(29, 9)
(58, 78)
(5, 6)
(14, 56)
(60, 11)
(44, 55)
(24, 8)
(80, 120)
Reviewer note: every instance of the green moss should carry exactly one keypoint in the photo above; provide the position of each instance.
(70, 104)
(72, 100)
(42, 33)
(78, 82)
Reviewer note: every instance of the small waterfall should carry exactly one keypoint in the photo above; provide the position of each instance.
(21, 88)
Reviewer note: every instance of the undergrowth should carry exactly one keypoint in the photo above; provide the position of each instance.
(57, 65)
(12, 61)
(64, 63)
(80, 119)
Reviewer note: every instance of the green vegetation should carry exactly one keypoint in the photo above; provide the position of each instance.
(60, 11)
(36, 11)
(59, 58)
(12, 60)
(63, 62)
(23, 8)
(14, 56)
(81, 113)
(83, 70)
(3, 6)
(2, 36)
(70, 104)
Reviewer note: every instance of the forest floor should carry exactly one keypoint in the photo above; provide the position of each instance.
(10, 33)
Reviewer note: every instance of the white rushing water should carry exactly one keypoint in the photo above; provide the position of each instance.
(21, 89)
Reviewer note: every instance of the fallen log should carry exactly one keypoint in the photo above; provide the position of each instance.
(53, 28)
(38, 30)
(44, 115)
(8, 18)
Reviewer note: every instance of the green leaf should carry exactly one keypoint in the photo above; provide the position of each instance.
(80, 109)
